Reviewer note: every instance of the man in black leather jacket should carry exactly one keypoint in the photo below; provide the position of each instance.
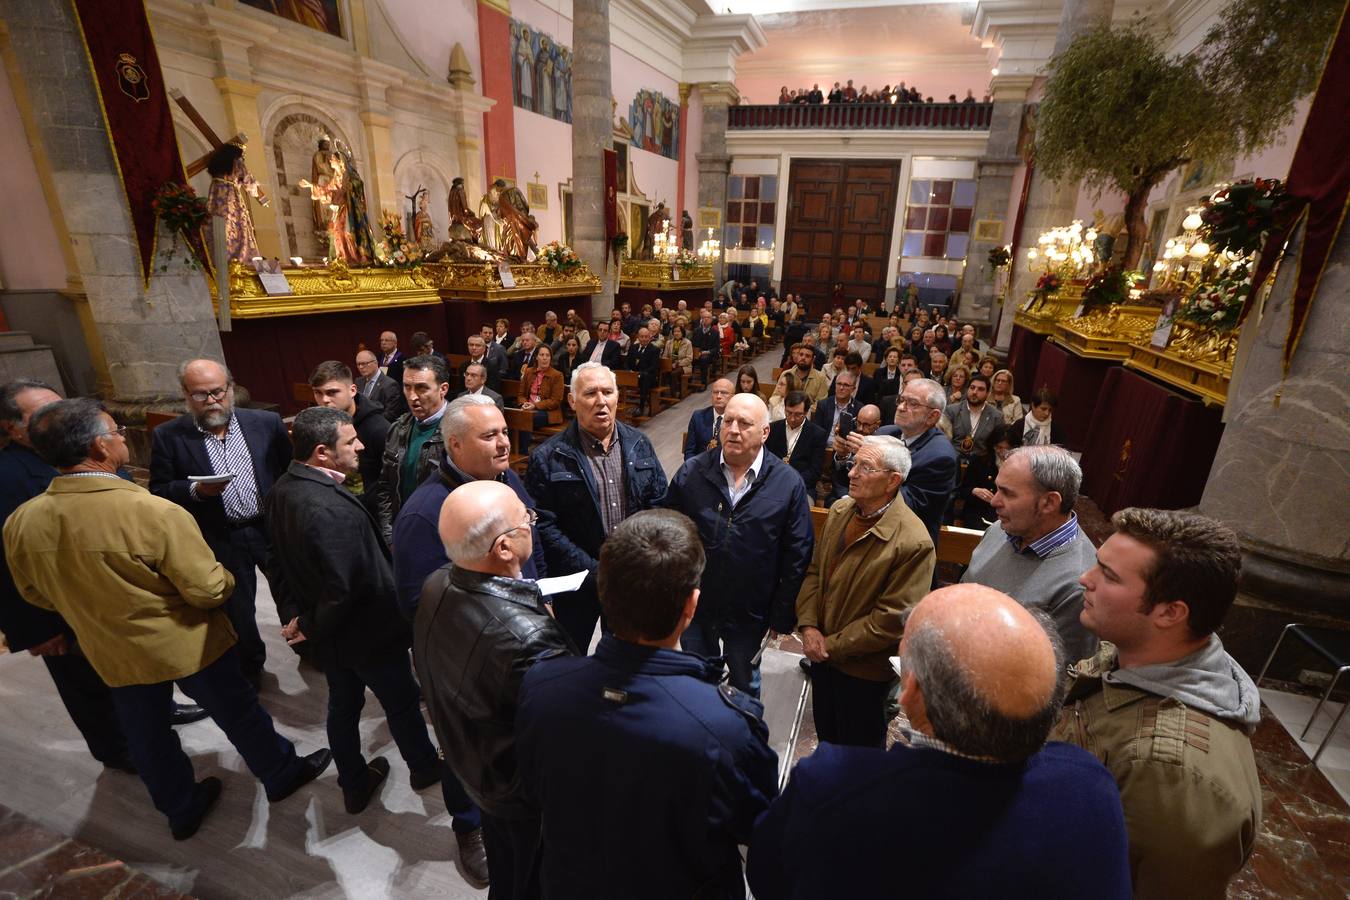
(479, 628)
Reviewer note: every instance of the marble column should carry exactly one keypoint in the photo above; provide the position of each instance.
(141, 332)
(714, 165)
(592, 134)
(1281, 472)
(1052, 203)
(993, 194)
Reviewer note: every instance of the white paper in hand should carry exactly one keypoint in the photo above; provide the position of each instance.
(562, 584)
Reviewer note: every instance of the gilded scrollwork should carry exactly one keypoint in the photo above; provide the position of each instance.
(636, 273)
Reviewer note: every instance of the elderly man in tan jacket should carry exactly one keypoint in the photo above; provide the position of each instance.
(133, 577)
(873, 559)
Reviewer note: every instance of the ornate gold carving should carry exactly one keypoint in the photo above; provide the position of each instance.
(534, 281)
(635, 273)
(1106, 333)
(1043, 314)
(334, 288)
(1197, 360)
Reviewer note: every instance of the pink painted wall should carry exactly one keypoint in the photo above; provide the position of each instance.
(30, 254)
(429, 29)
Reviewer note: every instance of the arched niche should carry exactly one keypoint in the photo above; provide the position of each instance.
(293, 133)
(424, 168)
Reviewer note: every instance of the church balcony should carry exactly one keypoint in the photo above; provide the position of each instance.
(869, 116)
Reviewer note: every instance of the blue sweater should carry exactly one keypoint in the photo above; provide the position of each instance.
(918, 822)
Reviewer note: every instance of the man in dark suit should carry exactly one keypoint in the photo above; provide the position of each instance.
(523, 358)
(601, 349)
(707, 344)
(797, 441)
(391, 358)
(475, 382)
(705, 425)
(334, 586)
(865, 390)
(933, 468)
(839, 407)
(494, 364)
(378, 387)
(973, 419)
(332, 384)
(215, 438)
(645, 359)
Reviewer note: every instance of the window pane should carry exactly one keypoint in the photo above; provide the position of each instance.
(919, 191)
(916, 217)
(913, 245)
(730, 238)
(937, 218)
(960, 220)
(768, 187)
(736, 187)
(765, 237)
(748, 237)
(964, 195)
(934, 244)
(766, 213)
(752, 187)
(942, 192)
(733, 210)
(956, 246)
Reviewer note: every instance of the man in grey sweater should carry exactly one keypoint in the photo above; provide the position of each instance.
(1036, 553)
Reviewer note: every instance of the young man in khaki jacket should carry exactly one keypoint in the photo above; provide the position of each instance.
(1163, 706)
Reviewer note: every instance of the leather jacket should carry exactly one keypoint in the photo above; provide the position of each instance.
(474, 638)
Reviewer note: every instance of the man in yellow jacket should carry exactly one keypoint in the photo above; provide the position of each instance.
(132, 576)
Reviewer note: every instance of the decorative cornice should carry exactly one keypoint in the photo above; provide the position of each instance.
(236, 87)
(501, 6)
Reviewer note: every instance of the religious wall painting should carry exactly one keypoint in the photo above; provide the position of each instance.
(655, 123)
(321, 15)
(541, 73)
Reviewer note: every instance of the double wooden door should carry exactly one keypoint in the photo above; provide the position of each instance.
(839, 219)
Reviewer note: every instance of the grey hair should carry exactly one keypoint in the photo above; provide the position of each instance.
(894, 454)
(63, 432)
(478, 539)
(455, 421)
(1054, 469)
(591, 367)
(963, 717)
(10, 394)
(934, 394)
(183, 367)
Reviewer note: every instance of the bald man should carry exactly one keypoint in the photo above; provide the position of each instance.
(754, 519)
(479, 628)
(1000, 807)
(250, 446)
(374, 385)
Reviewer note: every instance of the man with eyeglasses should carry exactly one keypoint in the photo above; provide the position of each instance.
(479, 628)
(248, 449)
(872, 560)
(931, 481)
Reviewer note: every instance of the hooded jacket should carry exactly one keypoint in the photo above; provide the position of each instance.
(1176, 739)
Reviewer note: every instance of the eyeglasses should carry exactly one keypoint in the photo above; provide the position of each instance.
(866, 469)
(530, 518)
(906, 403)
(213, 394)
(120, 431)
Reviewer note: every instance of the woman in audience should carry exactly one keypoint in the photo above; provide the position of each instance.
(541, 389)
(725, 333)
(956, 384)
(616, 332)
(1038, 427)
(569, 359)
(977, 490)
(915, 345)
(941, 340)
(780, 391)
(654, 329)
(887, 379)
(501, 333)
(679, 351)
(988, 366)
(1002, 397)
(747, 382)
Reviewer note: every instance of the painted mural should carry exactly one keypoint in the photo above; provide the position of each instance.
(321, 15)
(655, 122)
(541, 73)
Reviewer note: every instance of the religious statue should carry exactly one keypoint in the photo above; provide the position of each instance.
(230, 181)
(686, 230)
(358, 220)
(517, 227)
(333, 194)
(656, 223)
(461, 215)
(423, 230)
(320, 170)
(487, 214)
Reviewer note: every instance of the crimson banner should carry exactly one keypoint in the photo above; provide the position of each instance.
(135, 105)
(1320, 176)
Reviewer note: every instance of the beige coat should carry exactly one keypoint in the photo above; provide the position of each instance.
(887, 570)
(130, 573)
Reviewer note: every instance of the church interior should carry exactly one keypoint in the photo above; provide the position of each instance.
(1128, 213)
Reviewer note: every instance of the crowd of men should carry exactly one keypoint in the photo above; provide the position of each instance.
(404, 555)
(847, 93)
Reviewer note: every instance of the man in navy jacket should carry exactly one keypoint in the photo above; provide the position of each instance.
(705, 424)
(980, 686)
(610, 356)
(585, 480)
(754, 518)
(216, 438)
(933, 464)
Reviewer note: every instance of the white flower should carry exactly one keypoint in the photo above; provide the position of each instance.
(1217, 316)
(1205, 305)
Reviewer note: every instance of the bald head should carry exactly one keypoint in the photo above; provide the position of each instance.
(364, 357)
(481, 525)
(981, 672)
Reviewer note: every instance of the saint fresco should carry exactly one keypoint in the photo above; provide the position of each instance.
(541, 73)
(655, 122)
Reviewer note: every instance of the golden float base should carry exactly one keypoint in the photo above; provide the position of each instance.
(533, 281)
(1196, 360)
(1042, 315)
(1107, 332)
(661, 276)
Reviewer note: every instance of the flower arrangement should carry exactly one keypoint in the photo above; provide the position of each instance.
(559, 257)
(395, 249)
(618, 245)
(1238, 218)
(1218, 305)
(686, 260)
(1111, 285)
(999, 257)
(1047, 284)
(184, 214)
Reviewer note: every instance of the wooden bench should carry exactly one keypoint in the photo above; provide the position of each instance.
(302, 393)
(518, 422)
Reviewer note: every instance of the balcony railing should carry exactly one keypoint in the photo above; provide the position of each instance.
(941, 116)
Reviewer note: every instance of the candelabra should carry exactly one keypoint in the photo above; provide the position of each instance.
(1185, 257)
(664, 247)
(709, 249)
(1065, 251)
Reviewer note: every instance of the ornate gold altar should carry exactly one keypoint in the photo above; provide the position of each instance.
(533, 281)
(1042, 313)
(664, 276)
(1197, 360)
(1106, 332)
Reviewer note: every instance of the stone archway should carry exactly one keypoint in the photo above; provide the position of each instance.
(293, 140)
(419, 169)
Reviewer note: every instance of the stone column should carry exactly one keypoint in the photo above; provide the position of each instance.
(1050, 203)
(993, 193)
(592, 134)
(142, 332)
(1280, 474)
(714, 165)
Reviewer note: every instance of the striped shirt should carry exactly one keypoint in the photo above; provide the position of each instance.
(230, 456)
(1047, 544)
(607, 467)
